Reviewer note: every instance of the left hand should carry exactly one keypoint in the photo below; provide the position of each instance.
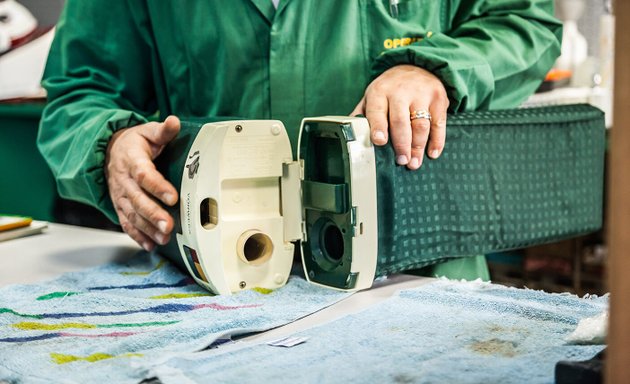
(136, 186)
(388, 102)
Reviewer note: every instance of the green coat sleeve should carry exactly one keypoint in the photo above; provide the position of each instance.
(99, 80)
(494, 56)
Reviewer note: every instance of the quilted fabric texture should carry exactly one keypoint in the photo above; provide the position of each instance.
(506, 179)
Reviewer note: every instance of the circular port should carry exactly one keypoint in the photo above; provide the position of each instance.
(326, 244)
(254, 247)
(332, 240)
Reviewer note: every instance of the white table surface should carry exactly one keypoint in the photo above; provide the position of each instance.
(61, 248)
(64, 248)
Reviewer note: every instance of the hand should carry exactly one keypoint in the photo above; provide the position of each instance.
(135, 185)
(388, 102)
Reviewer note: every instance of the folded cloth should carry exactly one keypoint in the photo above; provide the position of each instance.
(443, 332)
(104, 324)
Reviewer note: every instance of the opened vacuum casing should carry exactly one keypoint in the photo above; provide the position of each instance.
(241, 203)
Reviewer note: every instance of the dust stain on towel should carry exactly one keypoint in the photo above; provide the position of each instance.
(517, 330)
(495, 347)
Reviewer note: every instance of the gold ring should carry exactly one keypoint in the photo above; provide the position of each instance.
(420, 115)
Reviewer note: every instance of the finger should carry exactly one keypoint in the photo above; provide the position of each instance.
(170, 129)
(400, 129)
(160, 134)
(376, 108)
(143, 240)
(437, 136)
(145, 208)
(139, 222)
(143, 171)
(420, 129)
(359, 109)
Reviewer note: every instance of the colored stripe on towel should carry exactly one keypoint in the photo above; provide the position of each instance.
(57, 295)
(179, 296)
(27, 325)
(164, 308)
(63, 334)
(60, 358)
(182, 283)
(144, 273)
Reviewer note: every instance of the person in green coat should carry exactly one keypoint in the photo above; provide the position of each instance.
(402, 63)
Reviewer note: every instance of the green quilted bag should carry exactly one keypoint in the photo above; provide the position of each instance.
(507, 179)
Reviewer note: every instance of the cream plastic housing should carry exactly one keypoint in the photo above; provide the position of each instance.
(233, 229)
(363, 204)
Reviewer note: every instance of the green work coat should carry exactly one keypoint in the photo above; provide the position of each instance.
(114, 63)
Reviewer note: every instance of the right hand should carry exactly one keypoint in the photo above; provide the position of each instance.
(389, 101)
(136, 186)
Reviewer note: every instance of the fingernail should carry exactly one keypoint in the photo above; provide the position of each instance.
(168, 198)
(435, 154)
(414, 163)
(161, 239)
(162, 224)
(379, 136)
(147, 246)
(401, 160)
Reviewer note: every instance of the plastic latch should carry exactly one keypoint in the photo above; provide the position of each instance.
(291, 204)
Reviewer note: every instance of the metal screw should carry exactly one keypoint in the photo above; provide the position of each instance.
(311, 274)
(242, 284)
(238, 128)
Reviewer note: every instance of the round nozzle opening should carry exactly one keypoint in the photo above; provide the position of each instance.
(332, 240)
(254, 247)
(327, 244)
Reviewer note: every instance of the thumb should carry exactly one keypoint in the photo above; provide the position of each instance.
(160, 134)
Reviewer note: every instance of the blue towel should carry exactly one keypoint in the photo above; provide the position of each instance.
(103, 325)
(443, 332)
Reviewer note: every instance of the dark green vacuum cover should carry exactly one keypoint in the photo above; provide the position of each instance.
(506, 179)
